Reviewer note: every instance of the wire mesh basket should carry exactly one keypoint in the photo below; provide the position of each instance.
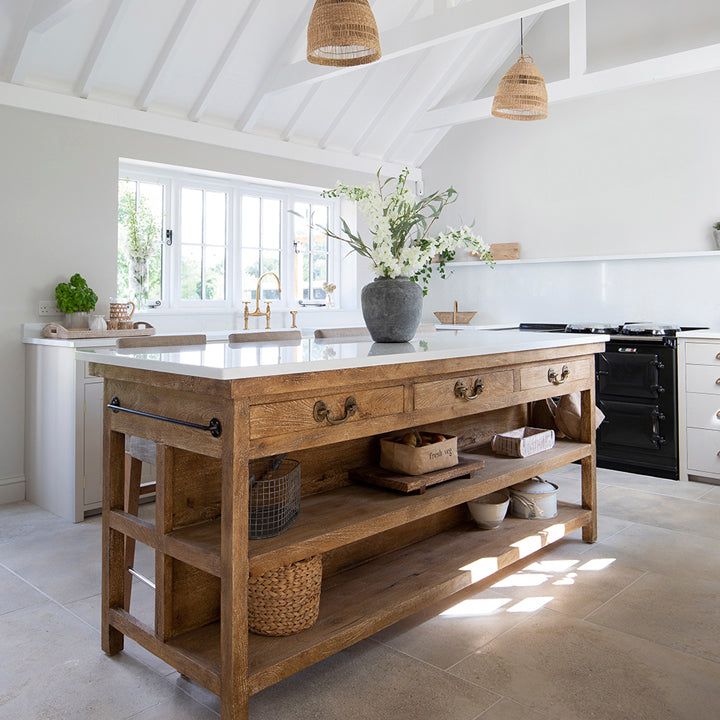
(274, 497)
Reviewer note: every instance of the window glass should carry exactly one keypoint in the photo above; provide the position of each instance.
(261, 242)
(141, 211)
(310, 240)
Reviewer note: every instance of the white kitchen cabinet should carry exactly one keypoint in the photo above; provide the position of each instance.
(699, 405)
(63, 433)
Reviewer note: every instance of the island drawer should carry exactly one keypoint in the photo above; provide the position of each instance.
(703, 354)
(703, 379)
(460, 393)
(703, 451)
(556, 373)
(323, 411)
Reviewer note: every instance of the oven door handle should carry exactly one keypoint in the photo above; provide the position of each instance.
(659, 389)
(658, 438)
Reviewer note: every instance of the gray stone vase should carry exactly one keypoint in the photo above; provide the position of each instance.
(392, 308)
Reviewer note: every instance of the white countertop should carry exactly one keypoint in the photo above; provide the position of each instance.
(222, 361)
(700, 335)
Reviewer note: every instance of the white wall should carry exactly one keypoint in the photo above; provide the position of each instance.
(629, 172)
(58, 204)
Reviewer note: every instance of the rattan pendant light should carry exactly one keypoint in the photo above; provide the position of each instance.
(343, 33)
(521, 94)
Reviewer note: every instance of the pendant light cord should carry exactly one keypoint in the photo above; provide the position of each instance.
(522, 39)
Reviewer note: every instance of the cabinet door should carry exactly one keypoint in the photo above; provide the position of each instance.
(93, 443)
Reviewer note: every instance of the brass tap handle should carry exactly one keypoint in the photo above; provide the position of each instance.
(463, 392)
(558, 380)
(246, 315)
(322, 414)
(267, 316)
(293, 315)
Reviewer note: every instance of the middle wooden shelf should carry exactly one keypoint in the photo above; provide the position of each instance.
(345, 515)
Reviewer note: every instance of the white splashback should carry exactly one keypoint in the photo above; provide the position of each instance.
(676, 290)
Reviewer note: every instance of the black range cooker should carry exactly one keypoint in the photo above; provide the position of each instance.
(636, 380)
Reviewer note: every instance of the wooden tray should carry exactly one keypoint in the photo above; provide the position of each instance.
(418, 484)
(55, 331)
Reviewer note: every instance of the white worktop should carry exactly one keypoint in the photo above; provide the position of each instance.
(700, 335)
(223, 361)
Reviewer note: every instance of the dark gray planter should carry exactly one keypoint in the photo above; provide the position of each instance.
(392, 308)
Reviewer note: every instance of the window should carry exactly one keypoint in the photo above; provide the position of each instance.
(203, 244)
(312, 250)
(188, 240)
(141, 214)
(260, 242)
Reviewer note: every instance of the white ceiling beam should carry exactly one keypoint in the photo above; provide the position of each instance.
(128, 117)
(42, 16)
(304, 104)
(200, 104)
(251, 111)
(146, 94)
(449, 25)
(107, 29)
(370, 73)
(670, 67)
(578, 37)
(464, 56)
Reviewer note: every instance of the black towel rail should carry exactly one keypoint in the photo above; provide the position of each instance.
(214, 427)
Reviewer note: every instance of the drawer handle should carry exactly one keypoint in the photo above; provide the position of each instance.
(556, 379)
(717, 357)
(717, 414)
(462, 391)
(321, 412)
(717, 382)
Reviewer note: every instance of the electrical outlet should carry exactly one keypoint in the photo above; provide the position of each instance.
(47, 308)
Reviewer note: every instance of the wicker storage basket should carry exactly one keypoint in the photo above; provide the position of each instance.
(285, 601)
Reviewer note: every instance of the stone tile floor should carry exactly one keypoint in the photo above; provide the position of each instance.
(628, 628)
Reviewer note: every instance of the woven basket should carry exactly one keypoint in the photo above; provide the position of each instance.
(285, 601)
(343, 33)
(521, 94)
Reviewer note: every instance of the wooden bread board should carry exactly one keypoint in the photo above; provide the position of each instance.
(505, 251)
(415, 484)
(55, 331)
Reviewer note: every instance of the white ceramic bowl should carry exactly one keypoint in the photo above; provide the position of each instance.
(490, 510)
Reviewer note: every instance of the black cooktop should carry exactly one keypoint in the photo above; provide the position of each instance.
(635, 329)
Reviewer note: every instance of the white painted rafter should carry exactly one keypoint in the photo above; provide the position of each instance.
(578, 37)
(200, 104)
(452, 24)
(107, 29)
(251, 111)
(144, 99)
(100, 112)
(683, 64)
(42, 16)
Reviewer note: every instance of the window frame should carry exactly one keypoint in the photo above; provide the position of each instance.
(174, 181)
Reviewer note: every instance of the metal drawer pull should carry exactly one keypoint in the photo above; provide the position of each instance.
(463, 392)
(321, 412)
(717, 357)
(717, 382)
(717, 414)
(214, 427)
(558, 380)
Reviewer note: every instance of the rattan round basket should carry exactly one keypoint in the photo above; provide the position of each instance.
(522, 93)
(343, 33)
(285, 601)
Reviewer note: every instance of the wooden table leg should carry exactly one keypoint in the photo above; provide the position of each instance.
(133, 475)
(589, 468)
(113, 542)
(234, 686)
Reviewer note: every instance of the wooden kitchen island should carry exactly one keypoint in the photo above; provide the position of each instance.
(385, 555)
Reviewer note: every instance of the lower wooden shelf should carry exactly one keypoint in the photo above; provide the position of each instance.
(359, 602)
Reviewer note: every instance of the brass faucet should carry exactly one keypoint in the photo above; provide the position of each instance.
(258, 312)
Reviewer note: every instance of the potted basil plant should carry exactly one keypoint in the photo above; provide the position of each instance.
(76, 299)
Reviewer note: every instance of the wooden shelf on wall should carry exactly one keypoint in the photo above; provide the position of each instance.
(339, 517)
(359, 602)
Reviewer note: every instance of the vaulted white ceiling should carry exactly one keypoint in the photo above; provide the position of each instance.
(233, 72)
(238, 65)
